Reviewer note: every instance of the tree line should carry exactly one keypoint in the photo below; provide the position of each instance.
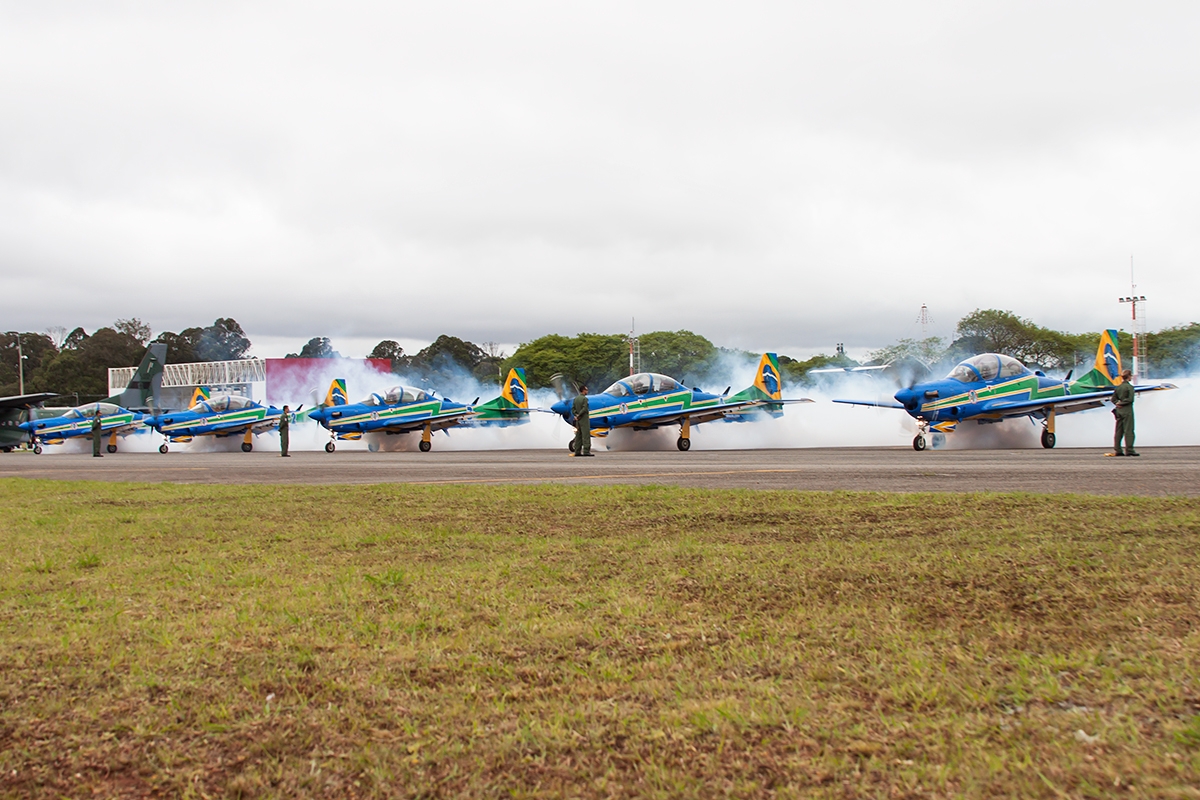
(77, 363)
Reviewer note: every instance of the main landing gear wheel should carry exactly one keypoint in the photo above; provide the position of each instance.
(571, 445)
(683, 443)
(247, 447)
(373, 447)
(162, 448)
(425, 447)
(919, 443)
(330, 447)
(1048, 440)
(112, 448)
(6, 449)
(37, 449)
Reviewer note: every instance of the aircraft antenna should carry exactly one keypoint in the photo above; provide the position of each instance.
(1140, 368)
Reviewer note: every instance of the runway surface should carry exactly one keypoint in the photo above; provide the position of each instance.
(1161, 471)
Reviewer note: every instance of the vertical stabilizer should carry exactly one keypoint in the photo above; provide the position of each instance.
(515, 391)
(144, 387)
(336, 396)
(198, 394)
(1106, 370)
(768, 382)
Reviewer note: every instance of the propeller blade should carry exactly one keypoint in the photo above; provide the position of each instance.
(727, 388)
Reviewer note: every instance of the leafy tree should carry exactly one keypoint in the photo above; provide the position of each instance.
(796, 372)
(448, 355)
(683, 355)
(593, 358)
(224, 340)
(388, 349)
(181, 347)
(83, 369)
(927, 351)
(134, 328)
(74, 339)
(316, 347)
(1174, 351)
(36, 349)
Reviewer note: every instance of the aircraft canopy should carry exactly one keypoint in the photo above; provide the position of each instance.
(643, 383)
(988, 367)
(397, 395)
(222, 402)
(88, 410)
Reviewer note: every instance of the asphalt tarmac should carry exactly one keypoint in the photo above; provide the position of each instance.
(1160, 471)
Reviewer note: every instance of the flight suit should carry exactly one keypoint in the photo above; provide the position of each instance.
(1123, 410)
(96, 426)
(583, 426)
(283, 433)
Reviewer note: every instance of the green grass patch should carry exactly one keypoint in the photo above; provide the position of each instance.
(545, 641)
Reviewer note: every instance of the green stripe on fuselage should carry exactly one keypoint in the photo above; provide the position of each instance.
(1025, 387)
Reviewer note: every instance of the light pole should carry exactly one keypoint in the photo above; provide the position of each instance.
(20, 361)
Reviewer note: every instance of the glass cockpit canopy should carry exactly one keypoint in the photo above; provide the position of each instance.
(397, 395)
(221, 402)
(988, 367)
(643, 383)
(89, 410)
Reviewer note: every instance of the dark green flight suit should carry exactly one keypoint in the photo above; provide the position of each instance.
(1123, 410)
(283, 433)
(96, 426)
(583, 425)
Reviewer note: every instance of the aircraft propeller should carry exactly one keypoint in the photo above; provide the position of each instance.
(563, 386)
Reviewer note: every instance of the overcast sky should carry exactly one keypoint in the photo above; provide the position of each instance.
(773, 176)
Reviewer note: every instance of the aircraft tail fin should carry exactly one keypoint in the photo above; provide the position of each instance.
(1106, 370)
(336, 396)
(511, 405)
(768, 381)
(144, 387)
(198, 394)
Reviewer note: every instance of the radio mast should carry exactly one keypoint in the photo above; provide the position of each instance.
(635, 348)
(1139, 326)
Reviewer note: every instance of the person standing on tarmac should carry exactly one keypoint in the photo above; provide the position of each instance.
(583, 424)
(283, 432)
(96, 426)
(1123, 410)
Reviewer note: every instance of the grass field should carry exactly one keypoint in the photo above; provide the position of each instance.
(595, 642)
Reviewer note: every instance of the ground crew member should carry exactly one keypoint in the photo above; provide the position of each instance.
(583, 424)
(96, 426)
(1123, 410)
(283, 433)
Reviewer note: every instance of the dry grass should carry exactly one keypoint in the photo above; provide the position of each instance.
(595, 642)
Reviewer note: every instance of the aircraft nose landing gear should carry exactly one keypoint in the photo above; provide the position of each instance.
(919, 442)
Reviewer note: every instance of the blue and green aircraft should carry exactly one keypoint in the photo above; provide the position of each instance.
(220, 415)
(403, 410)
(990, 387)
(116, 416)
(649, 400)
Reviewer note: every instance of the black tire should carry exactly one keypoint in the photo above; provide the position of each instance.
(373, 447)
(37, 449)
(162, 448)
(6, 449)
(919, 443)
(425, 446)
(683, 443)
(247, 447)
(1048, 440)
(571, 445)
(330, 447)
(112, 448)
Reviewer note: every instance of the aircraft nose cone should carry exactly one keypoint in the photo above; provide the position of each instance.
(907, 398)
(561, 408)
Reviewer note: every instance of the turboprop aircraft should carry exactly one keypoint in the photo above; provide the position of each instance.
(220, 415)
(990, 387)
(403, 410)
(116, 416)
(648, 400)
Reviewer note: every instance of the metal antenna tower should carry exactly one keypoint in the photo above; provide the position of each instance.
(925, 318)
(1140, 367)
(635, 348)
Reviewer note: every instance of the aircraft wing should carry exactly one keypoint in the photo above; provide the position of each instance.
(847, 370)
(876, 403)
(22, 400)
(668, 415)
(1062, 405)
